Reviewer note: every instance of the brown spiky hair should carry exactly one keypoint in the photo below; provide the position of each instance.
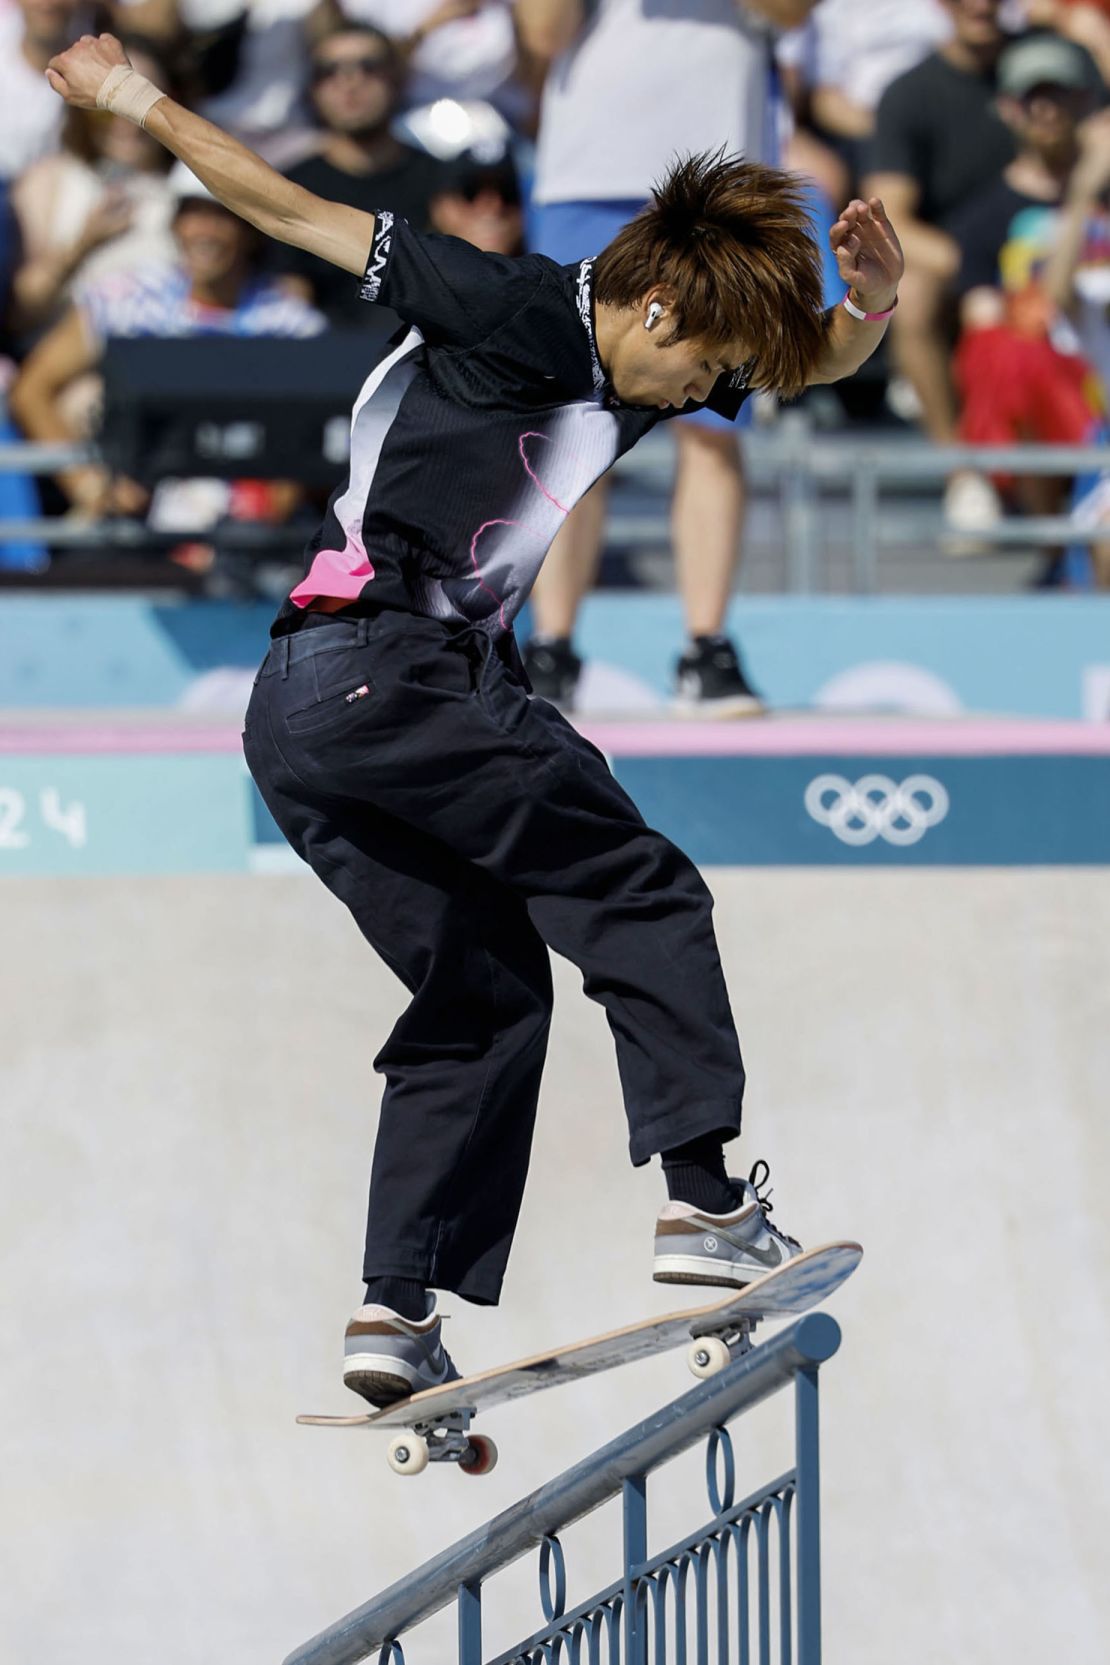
(734, 242)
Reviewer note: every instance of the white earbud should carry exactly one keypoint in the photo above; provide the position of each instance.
(655, 312)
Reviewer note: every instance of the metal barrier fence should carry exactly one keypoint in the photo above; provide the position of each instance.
(807, 468)
(744, 1589)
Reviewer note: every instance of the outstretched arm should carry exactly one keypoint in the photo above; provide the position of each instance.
(88, 76)
(869, 258)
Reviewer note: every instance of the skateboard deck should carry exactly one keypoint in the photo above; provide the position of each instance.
(802, 1283)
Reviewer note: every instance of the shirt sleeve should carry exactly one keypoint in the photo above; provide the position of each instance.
(451, 291)
(729, 392)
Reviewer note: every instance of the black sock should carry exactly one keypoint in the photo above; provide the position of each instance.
(695, 1174)
(406, 1296)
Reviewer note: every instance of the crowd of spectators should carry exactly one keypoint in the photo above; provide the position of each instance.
(541, 123)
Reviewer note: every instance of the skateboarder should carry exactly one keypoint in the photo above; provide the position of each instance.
(467, 826)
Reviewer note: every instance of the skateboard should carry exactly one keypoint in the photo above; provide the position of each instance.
(437, 1421)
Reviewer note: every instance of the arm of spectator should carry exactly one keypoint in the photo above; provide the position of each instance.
(1087, 24)
(546, 28)
(1089, 181)
(784, 14)
(154, 20)
(240, 180)
(869, 259)
(925, 245)
(40, 281)
(64, 353)
(836, 113)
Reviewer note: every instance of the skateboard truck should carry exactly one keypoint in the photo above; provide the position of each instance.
(712, 1349)
(446, 1440)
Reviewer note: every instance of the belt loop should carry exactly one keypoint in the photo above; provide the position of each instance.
(284, 644)
(362, 632)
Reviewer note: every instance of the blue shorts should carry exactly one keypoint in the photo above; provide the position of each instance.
(569, 231)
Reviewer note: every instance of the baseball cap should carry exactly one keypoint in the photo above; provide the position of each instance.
(1045, 61)
(470, 174)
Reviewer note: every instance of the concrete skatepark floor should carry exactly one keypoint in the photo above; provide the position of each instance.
(189, 1108)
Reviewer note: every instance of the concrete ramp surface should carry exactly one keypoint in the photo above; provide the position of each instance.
(188, 1109)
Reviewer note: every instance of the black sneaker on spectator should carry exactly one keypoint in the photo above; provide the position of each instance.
(710, 681)
(553, 669)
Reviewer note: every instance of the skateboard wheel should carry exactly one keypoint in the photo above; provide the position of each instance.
(481, 1455)
(407, 1454)
(707, 1355)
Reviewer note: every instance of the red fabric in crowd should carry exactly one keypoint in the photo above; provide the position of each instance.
(1017, 387)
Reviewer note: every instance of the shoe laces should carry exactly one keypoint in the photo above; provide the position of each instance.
(760, 1174)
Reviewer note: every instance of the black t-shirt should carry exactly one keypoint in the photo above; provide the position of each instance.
(939, 125)
(471, 440)
(982, 229)
(405, 189)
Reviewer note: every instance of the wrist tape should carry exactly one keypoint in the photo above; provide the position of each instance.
(124, 92)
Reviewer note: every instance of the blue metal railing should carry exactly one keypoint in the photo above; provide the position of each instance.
(701, 1598)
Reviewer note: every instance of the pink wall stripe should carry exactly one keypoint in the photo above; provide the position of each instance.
(773, 737)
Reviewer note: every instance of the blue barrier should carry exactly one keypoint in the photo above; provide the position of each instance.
(176, 798)
(1036, 655)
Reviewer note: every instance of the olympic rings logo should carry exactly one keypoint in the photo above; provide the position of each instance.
(875, 807)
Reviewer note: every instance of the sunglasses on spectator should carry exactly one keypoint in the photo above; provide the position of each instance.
(328, 69)
(472, 189)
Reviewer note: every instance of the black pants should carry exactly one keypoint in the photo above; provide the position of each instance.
(468, 828)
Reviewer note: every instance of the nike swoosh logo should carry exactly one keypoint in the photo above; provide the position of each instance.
(770, 1258)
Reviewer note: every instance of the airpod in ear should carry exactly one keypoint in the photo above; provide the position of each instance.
(655, 312)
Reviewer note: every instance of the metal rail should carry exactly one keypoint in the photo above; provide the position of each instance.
(806, 466)
(779, 1524)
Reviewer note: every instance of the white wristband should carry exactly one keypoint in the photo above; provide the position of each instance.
(867, 317)
(124, 92)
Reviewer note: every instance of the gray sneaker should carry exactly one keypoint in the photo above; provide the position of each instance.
(727, 1249)
(387, 1357)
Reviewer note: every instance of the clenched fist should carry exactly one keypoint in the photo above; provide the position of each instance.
(78, 73)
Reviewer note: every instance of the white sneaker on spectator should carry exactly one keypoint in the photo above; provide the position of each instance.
(971, 505)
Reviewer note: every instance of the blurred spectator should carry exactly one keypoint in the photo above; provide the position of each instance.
(1087, 22)
(631, 84)
(1033, 361)
(246, 61)
(250, 57)
(460, 49)
(19, 499)
(939, 139)
(356, 77)
(848, 53)
(31, 115)
(479, 201)
(99, 205)
(214, 288)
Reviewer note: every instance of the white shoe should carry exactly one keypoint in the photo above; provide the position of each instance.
(387, 1357)
(971, 505)
(692, 1246)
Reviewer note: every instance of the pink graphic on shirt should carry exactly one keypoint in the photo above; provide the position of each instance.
(339, 573)
(485, 526)
(533, 476)
(520, 524)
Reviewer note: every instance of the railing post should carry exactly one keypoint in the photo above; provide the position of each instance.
(807, 1466)
(470, 1623)
(798, 490)
(865, 517)
(634, 1494)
